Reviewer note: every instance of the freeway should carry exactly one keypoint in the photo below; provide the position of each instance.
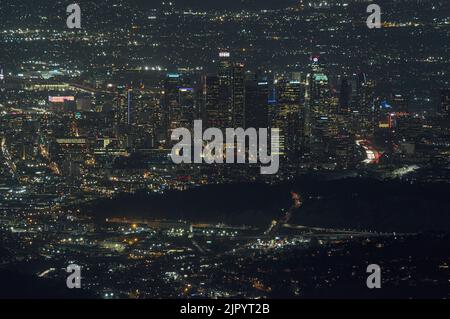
(372, 154)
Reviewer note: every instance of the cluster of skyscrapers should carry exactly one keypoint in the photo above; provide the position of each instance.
(317, 124)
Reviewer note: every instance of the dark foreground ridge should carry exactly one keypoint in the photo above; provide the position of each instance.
(362, 204)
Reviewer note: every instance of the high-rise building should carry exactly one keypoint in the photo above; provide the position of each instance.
(171, 105)
(256, 102)
(238, 96)
(400, 103)
(318, 107)
(130, 107)
(363, 119)
(213, 115)
(122, 102)
(409, 128)
(225, 77)
(319, 94)
(289, 117)
(224, 94)
(187, 98)
(344, 96)
(225, 67)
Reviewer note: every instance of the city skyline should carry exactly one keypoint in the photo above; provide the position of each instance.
(135, 148)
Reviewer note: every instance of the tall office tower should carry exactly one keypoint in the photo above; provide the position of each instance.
(214, 116)
(121, 107)
(130, 107)
(409, 128)
(356, 83)
(121, 117)
(251, 108)
(149, 117)
(319, 104)
(225, 67)
(362, 105)
(344, 96)
(319, 94)
(256, 102)
(368, 110)
(352, 102)
(445, 103)
(225, 76)
(124, 106)
(238, 95)
(187, 99)
(400, 103)
(289, 118)
(171, 105)
(342, 150)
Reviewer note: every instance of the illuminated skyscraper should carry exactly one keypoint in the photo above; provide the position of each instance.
(121, 107)
(362, 106)
(400, 103)
(238, 96)
(225, 98)
(171, 106)
(186, 98)
(319, 108)
(214, 116)
(344, 96)
(288, 117)
(225, 68)
(409, 128)
(130, 107)
(256, 102)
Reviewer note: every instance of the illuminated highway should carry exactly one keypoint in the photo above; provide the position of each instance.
(372, 155)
